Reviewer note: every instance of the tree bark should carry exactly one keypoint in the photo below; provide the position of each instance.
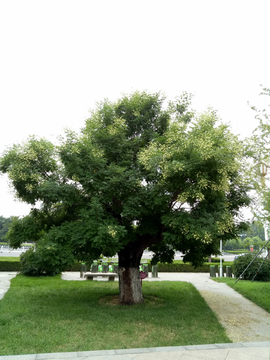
(130, 289)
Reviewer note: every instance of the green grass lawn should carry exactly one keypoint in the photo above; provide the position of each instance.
(258, 291)
(10, 258)
(48, 314)
(237, 251)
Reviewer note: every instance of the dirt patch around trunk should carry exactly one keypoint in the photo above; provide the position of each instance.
(113, 300)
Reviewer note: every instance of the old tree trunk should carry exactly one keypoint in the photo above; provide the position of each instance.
(130, 288)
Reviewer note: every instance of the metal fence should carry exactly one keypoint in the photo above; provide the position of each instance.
(6, 248)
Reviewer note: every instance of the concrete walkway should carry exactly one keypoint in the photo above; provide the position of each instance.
(5, 278)
(255, 346)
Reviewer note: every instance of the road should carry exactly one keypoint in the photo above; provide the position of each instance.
(12, 253)
(179, 256)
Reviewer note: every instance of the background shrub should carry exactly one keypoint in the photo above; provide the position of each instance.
(32, 263)
(241, 263)
(48, 259)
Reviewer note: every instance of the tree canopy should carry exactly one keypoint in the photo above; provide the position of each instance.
(144, 172)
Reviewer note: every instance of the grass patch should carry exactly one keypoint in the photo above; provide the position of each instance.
(258, 291)
(10, 258)
(48, 314)
(237, 251)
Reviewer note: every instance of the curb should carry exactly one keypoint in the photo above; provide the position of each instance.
(80, 354)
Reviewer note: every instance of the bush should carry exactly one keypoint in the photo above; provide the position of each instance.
(32, 263)
(48, 259)
(242, 262)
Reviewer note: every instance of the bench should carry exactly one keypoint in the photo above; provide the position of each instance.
(90, 276)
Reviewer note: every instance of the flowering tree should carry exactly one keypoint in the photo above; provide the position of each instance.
(139, 175)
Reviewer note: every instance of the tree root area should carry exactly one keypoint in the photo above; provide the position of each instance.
(113, 300)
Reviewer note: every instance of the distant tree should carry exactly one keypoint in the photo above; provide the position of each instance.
(238, 243)
(254, 229)
(257, 149)
(257, 242)
(247, 242)
(4, 223)
(233, 244)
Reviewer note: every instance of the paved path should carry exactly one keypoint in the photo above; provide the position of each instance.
(5, 278)
(255, 329)
(243, 320)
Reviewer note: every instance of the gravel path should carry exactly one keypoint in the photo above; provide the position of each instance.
(243, 320)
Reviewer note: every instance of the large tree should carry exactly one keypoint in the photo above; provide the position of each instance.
(143, 173)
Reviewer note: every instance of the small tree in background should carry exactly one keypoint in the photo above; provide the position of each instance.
(247, 242)
(257, 149)
(4, 224)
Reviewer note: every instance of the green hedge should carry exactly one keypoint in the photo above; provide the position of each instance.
(10, 266)
(216, 260)
(176, 266)
(181, 267)
(16, 266)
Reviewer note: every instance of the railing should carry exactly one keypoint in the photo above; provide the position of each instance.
(6, 248)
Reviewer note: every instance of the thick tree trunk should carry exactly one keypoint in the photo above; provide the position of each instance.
(130, 289)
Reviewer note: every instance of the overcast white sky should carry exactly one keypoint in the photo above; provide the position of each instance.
(59, 57)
